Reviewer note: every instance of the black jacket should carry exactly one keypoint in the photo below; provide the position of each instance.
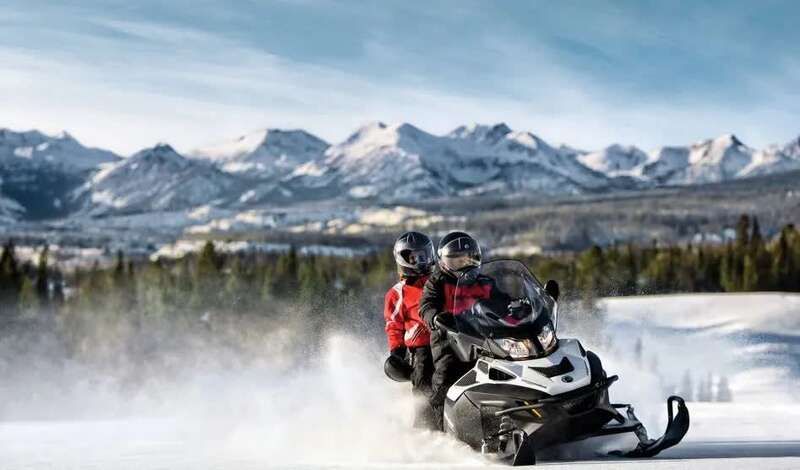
(434, 295)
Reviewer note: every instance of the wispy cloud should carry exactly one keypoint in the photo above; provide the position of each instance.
(125, 80)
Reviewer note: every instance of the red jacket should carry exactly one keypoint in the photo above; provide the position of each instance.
(404, 326)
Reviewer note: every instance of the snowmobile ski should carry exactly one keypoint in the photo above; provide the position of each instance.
(677, 426)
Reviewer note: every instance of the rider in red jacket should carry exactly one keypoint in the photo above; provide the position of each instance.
(404, 327)
(407, 333)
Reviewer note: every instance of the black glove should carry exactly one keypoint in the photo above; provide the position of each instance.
(399, 352)
(445, 318)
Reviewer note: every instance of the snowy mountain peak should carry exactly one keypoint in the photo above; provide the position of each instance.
(274, 137)
(386, 162)
(378, 135)
(265, 153)
(409, 130)
(273, 141)
(720, 144)
(61, 150)
(163, 147)
(162, 154)
(530, 140)
(21, 138)
(724, 140)
(731, 138)
(64, 135)
(34, 137)
(481, 133)
(727, 151)
(154, 179)
(412, 137)
(374, 127)
(774, 159)
(614, 160)
(707, 161)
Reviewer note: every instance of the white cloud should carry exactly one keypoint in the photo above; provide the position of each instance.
(191, 87)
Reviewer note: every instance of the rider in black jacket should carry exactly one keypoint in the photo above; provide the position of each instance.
(458, 253)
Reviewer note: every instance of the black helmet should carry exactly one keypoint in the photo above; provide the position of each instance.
(458, 253)
(413, 253)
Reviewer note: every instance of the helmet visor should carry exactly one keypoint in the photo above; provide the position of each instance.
(417, 257)
(460, 261)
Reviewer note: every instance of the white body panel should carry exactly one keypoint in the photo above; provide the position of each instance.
(525, 376)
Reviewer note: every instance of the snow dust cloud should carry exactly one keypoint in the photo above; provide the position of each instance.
(252, 391)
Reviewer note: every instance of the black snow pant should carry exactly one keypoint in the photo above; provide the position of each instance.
(447, 369)
(421, 375)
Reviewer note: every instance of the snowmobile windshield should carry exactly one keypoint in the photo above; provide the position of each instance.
(504, 305)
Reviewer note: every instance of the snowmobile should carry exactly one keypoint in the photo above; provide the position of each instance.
(528, 390)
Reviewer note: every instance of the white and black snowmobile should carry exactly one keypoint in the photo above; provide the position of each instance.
(530, 391)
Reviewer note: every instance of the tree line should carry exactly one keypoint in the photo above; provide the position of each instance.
(747, 263)
(212, 283)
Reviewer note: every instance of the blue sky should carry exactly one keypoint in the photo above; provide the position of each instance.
(125, 75)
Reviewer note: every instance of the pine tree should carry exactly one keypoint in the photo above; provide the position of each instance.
(794, 272)
(285, 274)
(181, 295)
(750, 280)
(238, 285)
(131, 286)
(762, 259)
(42, 285)
(630, 271)
(704, 391)
(712, 262)
(686, 276)
(153, 289)
(29, 299)
(662, 270)
(119, 275)
(613, 274)
(590, 272)
(728, 277)
(724, 393)
(702, 275)
(94, 290)
(120, 297)
(736, 281)
(267, 285)
(783, 263)
(207, 295)
(10, 281)
(757, 273)
(743, 233)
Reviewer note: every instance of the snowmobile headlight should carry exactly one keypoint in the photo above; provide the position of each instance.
(517, 349)
(547, 338)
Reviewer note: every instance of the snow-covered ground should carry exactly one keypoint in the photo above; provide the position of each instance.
(751, 340)
(336, 410)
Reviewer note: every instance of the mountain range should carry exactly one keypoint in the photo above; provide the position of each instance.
(43, 177)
